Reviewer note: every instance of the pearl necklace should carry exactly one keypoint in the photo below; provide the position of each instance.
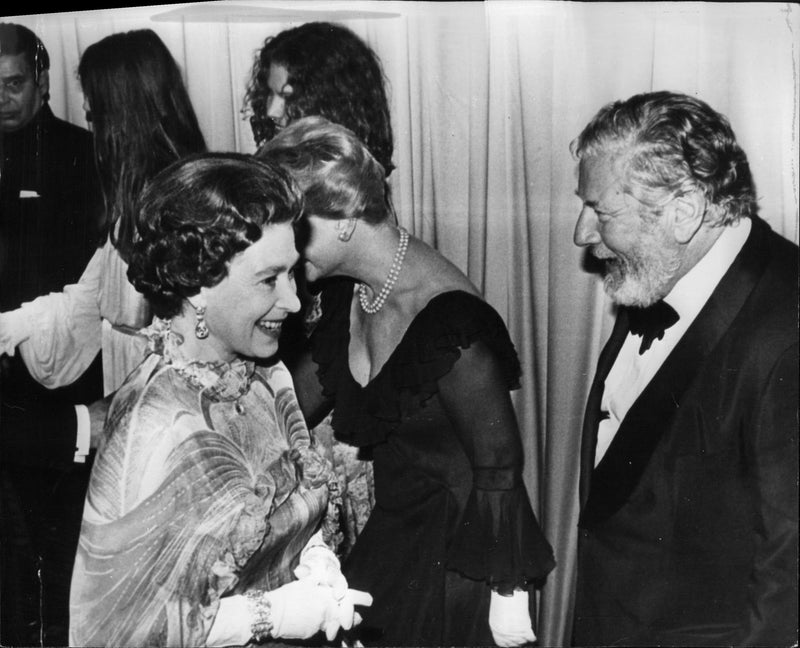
(391, 280)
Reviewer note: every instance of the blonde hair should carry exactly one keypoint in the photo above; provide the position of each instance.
(337, 174)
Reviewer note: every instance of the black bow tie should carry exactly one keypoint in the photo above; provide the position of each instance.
(651, 322)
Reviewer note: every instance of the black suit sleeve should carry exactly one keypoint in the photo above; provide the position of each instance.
(772, 615)
(32, 441)
(38, 426)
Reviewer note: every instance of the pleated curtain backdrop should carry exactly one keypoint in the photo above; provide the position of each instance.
(485, 98)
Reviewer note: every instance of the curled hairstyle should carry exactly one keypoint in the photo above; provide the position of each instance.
(196, 215)
(142, 119)
(671, 144)
(18, 39)
(334, 74)
(335, 171)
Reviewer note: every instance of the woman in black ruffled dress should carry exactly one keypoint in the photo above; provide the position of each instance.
(419, 368)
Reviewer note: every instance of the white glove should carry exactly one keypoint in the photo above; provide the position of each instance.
(510, 620)
(301, 609)
(319, 565)
(13, 331)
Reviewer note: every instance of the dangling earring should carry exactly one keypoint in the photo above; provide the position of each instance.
(200, 329)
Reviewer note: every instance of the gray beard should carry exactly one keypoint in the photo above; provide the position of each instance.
(641, 281)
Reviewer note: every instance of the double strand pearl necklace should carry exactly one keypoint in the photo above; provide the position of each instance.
(391, 280)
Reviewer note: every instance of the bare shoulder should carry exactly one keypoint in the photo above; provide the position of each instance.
(433, 274)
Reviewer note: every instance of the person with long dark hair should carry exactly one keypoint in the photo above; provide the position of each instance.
(142, 120)
(321, 68)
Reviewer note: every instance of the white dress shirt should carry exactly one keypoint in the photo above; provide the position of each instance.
(632, 372)
(83, 435)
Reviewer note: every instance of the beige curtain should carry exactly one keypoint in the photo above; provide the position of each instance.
(485, 98)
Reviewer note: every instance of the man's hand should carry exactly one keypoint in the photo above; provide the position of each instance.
(12, 332)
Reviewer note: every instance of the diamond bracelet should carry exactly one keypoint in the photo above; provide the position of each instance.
(261, 612)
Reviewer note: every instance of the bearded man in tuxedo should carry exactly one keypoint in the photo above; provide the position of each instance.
(688, 490)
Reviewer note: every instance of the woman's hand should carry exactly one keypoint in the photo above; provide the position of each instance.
(319, 565)
(510, 619)
(298, 610)
(12, 332)
(301, 609)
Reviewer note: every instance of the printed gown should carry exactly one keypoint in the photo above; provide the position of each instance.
(207, 484)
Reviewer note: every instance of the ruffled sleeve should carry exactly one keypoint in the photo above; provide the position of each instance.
(499, 540)
(432, 344)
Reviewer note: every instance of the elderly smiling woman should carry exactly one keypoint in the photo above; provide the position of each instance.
(207, 497)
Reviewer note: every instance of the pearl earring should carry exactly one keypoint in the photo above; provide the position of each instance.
(345, 228)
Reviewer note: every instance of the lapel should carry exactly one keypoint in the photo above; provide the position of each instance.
(651, 415)
(593, 415)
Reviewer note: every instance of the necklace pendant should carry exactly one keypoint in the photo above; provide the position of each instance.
(238, 407)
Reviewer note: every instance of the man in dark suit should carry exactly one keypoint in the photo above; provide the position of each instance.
(688, 490)
(49, 208)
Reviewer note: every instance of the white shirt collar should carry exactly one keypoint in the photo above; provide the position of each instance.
(693, 290)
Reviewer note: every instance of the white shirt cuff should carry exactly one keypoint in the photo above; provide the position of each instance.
(83, 437)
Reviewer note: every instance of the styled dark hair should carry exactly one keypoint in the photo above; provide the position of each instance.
(18, 39)
(142, 120)
(670, 144)
(196, 215)
(335, 171)
(334, 74)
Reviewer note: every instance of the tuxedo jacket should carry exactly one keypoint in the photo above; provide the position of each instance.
(688, 525)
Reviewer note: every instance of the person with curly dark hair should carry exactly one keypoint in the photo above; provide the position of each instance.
(142, 120)
(206, 518)
(324, 69)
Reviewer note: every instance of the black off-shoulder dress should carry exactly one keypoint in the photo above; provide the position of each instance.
(452, 517)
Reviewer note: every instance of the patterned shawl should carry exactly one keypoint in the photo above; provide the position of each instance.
(207, 480)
